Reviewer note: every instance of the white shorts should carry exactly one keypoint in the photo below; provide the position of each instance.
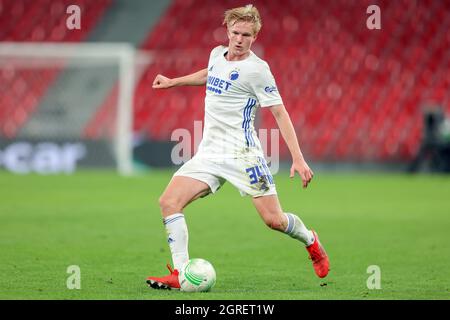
(250, 175)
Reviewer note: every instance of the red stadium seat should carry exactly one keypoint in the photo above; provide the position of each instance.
(39, 21)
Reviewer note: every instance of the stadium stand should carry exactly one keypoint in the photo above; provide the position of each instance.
(354, 94)
(36, 21)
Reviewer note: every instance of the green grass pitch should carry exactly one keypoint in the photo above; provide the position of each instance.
(111, 228)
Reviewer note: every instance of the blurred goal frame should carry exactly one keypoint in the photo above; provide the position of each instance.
(123, 53)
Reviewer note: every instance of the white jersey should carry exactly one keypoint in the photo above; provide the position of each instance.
(234, 90)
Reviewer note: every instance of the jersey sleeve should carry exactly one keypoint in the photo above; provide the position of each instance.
(262, 84)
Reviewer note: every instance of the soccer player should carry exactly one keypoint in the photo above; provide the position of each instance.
(237, 83)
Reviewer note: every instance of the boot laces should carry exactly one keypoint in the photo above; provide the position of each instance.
(170, 268)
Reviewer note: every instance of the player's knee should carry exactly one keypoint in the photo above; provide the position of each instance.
(274, 223)
(169, 205)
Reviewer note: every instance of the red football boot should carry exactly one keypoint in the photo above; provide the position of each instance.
(167, 282)
(319, 257)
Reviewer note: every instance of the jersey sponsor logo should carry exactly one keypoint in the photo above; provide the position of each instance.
(270, 89)
(234, 75)
(217, 85)
(215, 90)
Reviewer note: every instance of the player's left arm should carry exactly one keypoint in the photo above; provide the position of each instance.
(288, 133)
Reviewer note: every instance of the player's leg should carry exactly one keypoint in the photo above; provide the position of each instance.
(178, 194)
(195, 179)
(252, 177)
(269, 209)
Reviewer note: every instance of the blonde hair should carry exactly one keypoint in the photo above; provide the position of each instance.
(249, 13)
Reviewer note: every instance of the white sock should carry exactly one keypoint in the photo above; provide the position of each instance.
(177, 237)
(297, 230)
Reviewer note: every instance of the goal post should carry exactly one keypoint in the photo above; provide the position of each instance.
(44, 64)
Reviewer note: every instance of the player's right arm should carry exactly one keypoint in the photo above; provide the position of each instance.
(195, 79)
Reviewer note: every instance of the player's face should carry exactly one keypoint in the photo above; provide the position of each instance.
(241, 37)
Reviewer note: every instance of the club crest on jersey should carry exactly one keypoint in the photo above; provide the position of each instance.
(270, 89)
(234, 75)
